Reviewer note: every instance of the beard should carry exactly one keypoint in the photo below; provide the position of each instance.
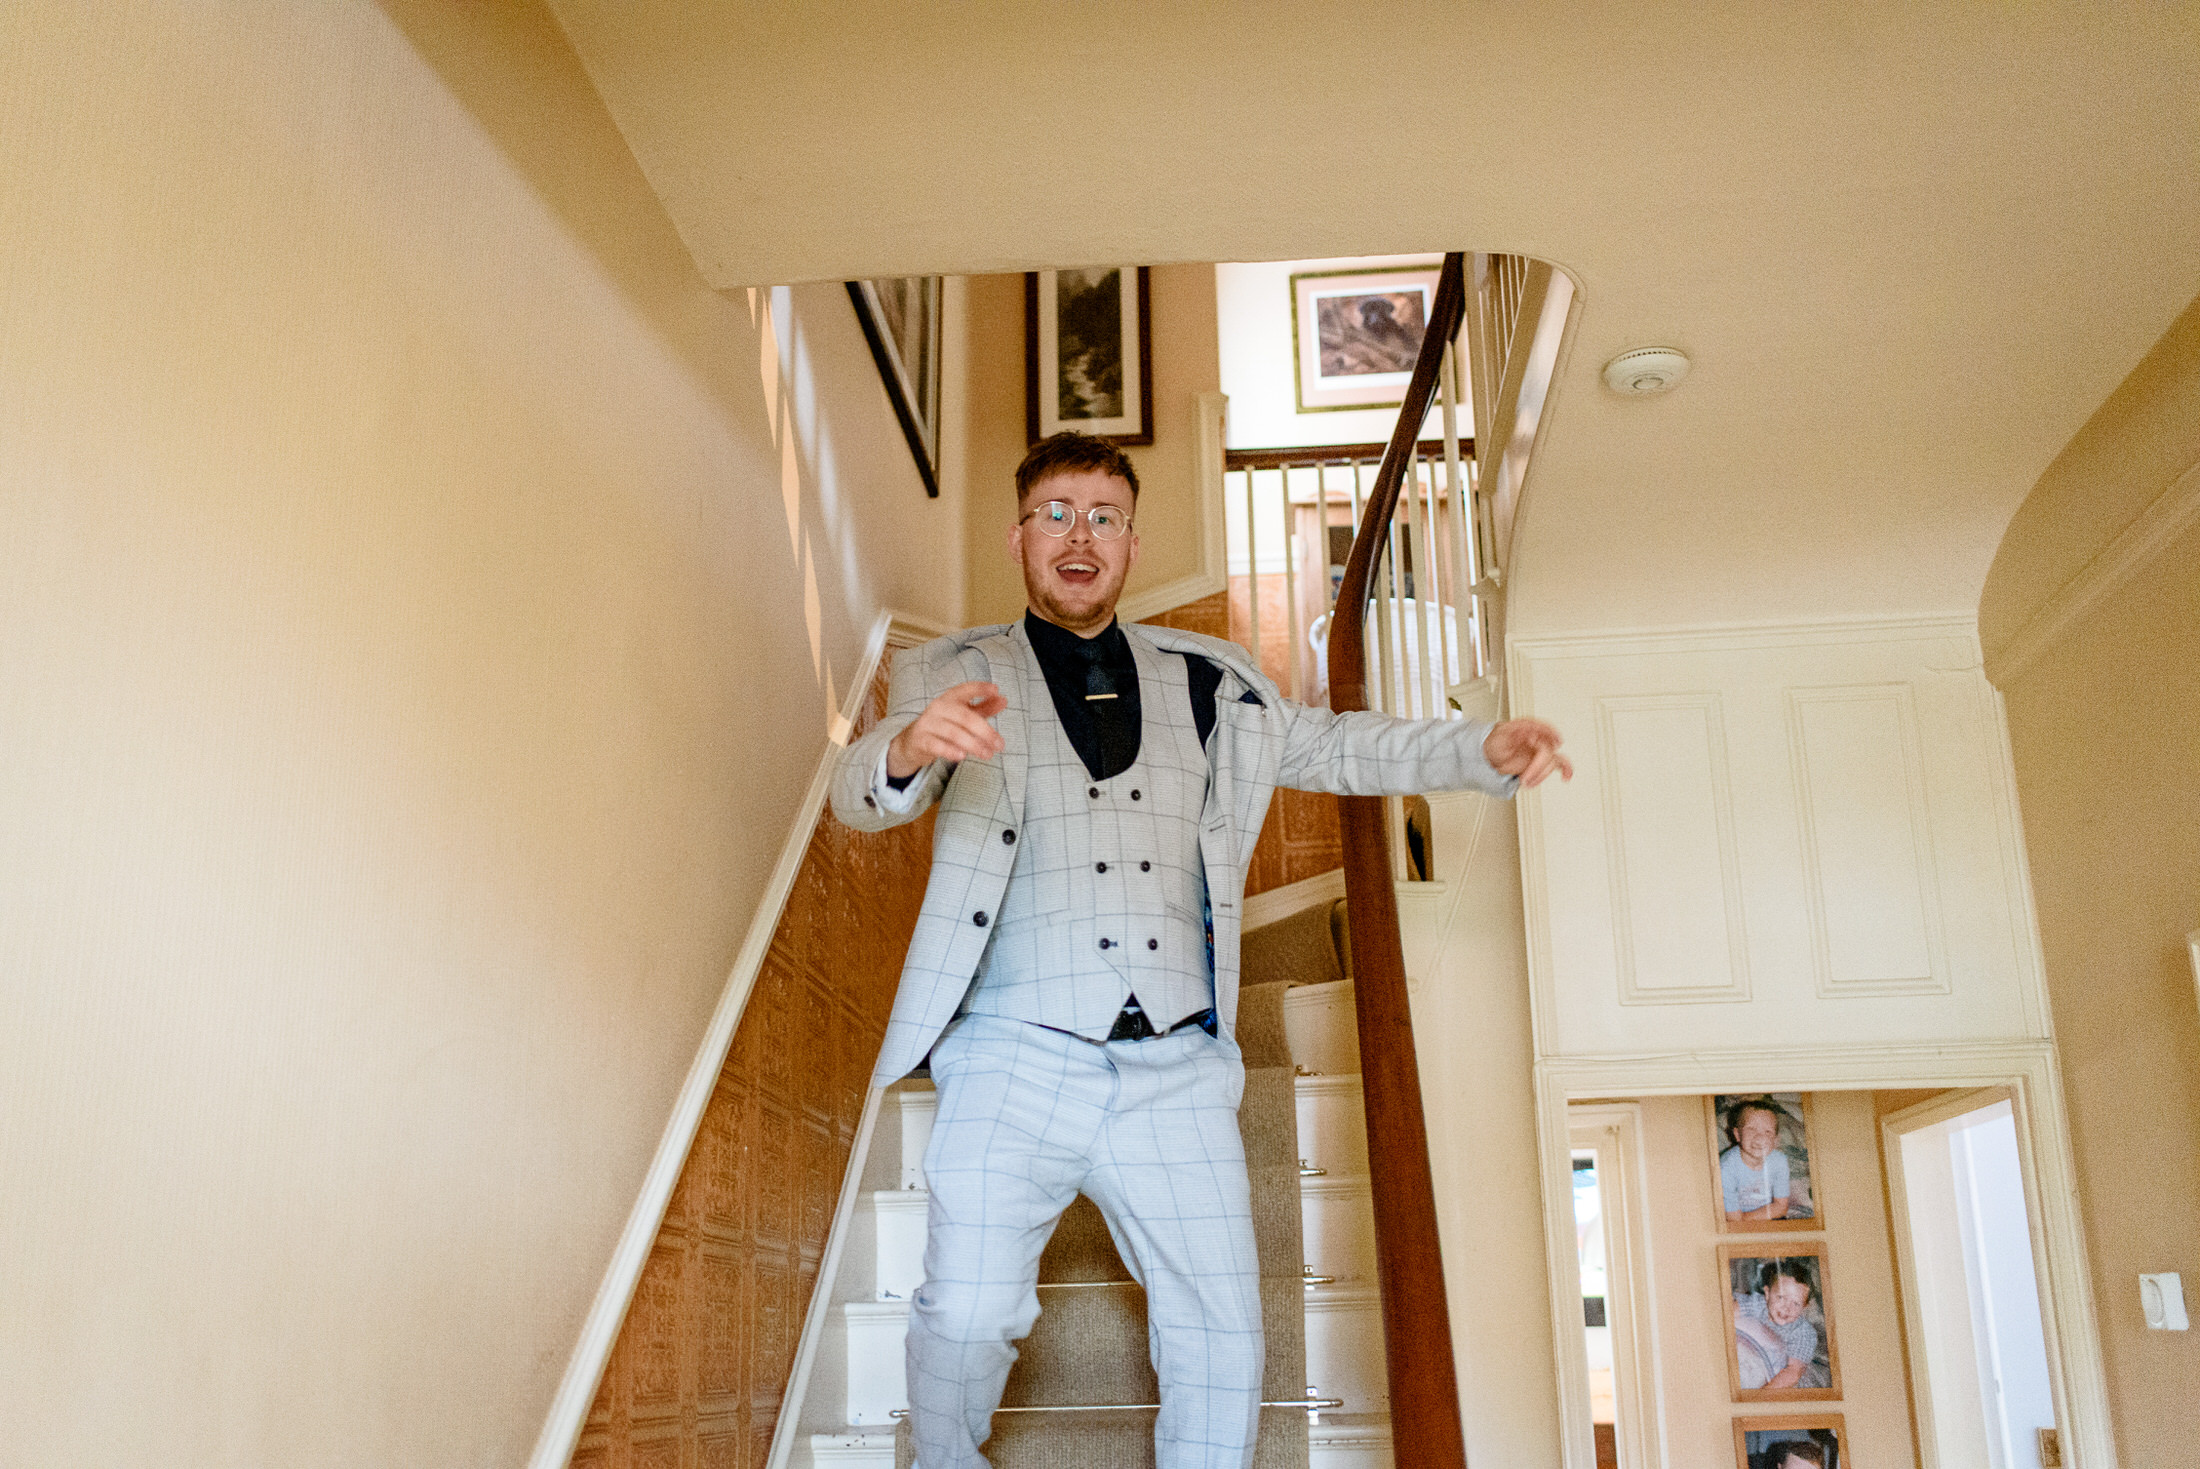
(1086, 608)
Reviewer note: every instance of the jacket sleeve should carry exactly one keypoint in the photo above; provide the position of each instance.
(1370, 754)
(861, 799)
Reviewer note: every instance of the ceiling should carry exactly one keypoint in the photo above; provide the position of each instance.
(1909, 248)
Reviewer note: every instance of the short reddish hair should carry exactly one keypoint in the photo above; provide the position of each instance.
(1070, 453)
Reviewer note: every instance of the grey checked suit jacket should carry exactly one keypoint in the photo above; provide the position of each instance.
(1261, 740)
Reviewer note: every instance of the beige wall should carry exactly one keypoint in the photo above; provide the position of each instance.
(1689, 1286)
(420, 602)
(2105, 725)
(1186, 363)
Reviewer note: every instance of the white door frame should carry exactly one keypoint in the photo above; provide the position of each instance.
(1614, 1130)
(2027, 1068)
(1893, 1128)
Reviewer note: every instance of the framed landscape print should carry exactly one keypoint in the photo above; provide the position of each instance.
(1088, 353)
(1355, 334)
(901, 322)
(1761, 1162)
(1781, 1346)
(1806, 1441)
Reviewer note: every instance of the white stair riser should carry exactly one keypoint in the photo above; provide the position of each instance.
(877, 1365)
(1333, 1123)
(1319, 1026)
(872, 1451)
(919, 1105)
(1359, 1446)
(1344, 1347)
(1338, 1218)
(899, 1250)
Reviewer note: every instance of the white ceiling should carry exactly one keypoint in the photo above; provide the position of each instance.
(1910, 248)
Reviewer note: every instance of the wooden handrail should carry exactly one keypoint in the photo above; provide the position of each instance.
(1424, 1390)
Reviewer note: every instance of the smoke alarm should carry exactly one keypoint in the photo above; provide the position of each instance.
(1646, 370)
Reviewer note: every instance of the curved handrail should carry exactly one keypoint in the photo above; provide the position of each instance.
(1424, 1393)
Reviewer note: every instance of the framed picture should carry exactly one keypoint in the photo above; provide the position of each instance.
(1781, 1347)
(1806, 1441)
(901, 321)
(1088, 353)
(1760, 1162)
(1355, 334)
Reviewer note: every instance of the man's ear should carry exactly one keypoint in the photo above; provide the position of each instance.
(1134, 552)
(1016, 543)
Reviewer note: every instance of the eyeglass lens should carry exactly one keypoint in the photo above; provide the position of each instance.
(1056, 517)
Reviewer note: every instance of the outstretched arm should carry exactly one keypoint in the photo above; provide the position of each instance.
(1370, 754)
(898, 768)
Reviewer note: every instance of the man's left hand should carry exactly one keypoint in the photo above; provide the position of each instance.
(1527, 748)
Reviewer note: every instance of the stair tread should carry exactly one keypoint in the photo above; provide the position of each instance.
(1119, 1438)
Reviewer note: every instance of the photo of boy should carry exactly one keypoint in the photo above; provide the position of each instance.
(1762, 1143)
(1782, 1336)
(1789, 1443)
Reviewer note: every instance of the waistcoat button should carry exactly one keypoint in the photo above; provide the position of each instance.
(1145, 867)
(978, 918)
(1009, 838)
(1153, 943)
(1106, 943)
(1134, 795)
(1093, 791)
(1099, 866)
(868, 801)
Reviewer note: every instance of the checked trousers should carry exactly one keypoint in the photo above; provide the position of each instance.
(1028, 1119)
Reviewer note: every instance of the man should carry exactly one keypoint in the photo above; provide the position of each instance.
(1074, 972)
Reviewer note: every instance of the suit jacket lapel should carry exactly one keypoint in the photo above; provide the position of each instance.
(1012, 667)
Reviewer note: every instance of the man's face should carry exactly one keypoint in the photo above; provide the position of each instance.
(1784, 1303)
(1074, 580)
(1755, 1135)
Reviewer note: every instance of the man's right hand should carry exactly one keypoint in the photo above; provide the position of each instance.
(952, 727)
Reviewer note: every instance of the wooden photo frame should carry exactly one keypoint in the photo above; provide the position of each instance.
(901, 322)
(1771, 1443)
(1355, 334)
(1762, 1349)
(1737, 1184)
(1088, 353)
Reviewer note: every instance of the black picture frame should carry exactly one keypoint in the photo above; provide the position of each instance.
(905, 344)
(1124, 348)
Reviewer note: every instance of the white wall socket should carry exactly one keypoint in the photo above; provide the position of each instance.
(2162, 1298)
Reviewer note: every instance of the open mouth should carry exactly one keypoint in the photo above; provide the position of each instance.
(1078, 573)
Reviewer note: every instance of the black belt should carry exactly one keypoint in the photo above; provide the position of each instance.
(1132, 1025)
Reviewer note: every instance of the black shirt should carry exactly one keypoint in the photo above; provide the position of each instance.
(1094, 682)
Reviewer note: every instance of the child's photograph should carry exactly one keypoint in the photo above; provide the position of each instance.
(1814, 1442)
(1781, 1342)
(1760, 1146)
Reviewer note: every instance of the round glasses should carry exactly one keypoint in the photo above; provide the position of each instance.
(1058, 517)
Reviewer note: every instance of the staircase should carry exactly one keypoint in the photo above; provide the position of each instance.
(1083, 1390)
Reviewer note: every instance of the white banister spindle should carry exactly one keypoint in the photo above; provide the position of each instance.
(1252, 565)
(1424, 686)
(1392, 589)
(1295, 668)
(1440, 600)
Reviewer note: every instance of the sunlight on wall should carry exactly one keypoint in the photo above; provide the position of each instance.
(403, 702)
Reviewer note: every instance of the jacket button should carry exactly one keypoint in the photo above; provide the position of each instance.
(871, 802)
(1145, 867)
(1009, 838)
(1153, 943)
(1099, 866)
(978, 918)
(1107, 943)
(1134, 795)
(1093, 791)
